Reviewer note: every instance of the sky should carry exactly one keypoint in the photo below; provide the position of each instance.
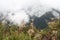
(51, 3)
(18, 4)
(15, 5)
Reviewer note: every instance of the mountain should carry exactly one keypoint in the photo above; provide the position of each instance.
(42, 15)
(40, 22)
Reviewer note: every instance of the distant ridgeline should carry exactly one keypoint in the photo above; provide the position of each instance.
(42, 22)
(41, 16)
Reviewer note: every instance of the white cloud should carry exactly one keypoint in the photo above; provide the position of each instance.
(51, 3)
(16, 4)
(18, 17)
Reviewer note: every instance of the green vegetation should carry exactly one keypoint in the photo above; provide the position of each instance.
(30, 32)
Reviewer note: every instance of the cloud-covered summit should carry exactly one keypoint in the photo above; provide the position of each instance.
(17, 10)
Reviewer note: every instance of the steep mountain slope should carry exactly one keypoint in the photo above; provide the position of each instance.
(41, 22)
(42, 15)
(37, 12)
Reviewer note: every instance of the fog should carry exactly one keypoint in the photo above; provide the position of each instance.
(20, 8)
(19, 4)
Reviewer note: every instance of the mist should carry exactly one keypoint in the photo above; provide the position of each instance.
(21, 9)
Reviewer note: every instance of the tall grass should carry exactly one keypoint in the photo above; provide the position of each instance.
(13, 33)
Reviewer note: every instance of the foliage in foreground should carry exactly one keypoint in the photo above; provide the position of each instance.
(30, 32)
